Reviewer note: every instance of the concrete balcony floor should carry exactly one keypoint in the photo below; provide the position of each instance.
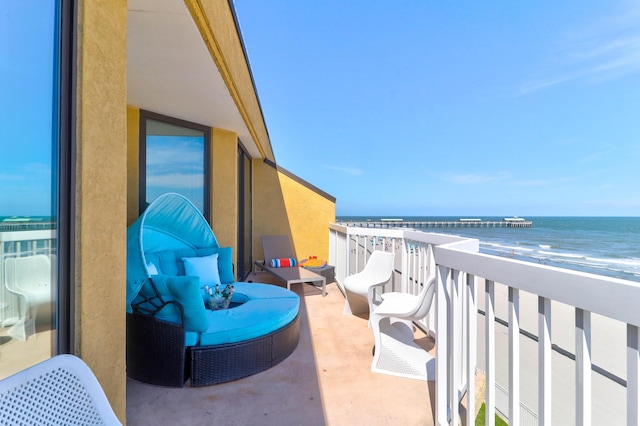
(326, 381)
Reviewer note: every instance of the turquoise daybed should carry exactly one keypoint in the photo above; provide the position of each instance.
(172, 254)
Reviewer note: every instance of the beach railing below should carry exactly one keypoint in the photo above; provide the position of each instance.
(494, 314)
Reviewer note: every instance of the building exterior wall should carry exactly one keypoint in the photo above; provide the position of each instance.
(224, 200)
(101, 194)
(310, 214)
(133, 163)
(283, 205)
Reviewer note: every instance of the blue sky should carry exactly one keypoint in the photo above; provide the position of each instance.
(26, 108)
(454, 108)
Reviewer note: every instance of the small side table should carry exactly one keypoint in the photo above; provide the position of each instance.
(326, 271)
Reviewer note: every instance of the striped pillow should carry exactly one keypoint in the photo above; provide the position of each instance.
(286, 262)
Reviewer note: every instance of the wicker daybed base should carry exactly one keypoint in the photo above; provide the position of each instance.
(156, 354)
(211, 365)
(155, 351)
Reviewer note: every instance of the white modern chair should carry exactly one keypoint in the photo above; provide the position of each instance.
(61, 390)
(360, 287)
(29, 278)
(395, 352)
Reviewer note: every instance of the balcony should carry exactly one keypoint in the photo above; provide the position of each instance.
(548, 345)
(327, 380)
(555, 346)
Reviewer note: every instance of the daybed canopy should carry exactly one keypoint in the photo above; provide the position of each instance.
(170, 222)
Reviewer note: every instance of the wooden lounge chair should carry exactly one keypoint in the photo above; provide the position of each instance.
(279, 247)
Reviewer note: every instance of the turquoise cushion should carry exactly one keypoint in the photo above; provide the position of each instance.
(153, 259)
(263, 291)
(167, 263)
(267, 308)
(205, 267)
(225, 262)
(191, 338)
(184, 290)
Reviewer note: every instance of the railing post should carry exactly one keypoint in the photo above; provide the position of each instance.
(514, 356)
(544, 361)
(490, 345)
(633, 374)
(405, 267)
(583, 367)
(442, 347)
(456, 337)
(472, 340)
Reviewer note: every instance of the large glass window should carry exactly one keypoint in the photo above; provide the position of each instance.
(174, 157)
(32, 137)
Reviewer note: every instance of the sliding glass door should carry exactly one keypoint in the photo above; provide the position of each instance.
(35, 176)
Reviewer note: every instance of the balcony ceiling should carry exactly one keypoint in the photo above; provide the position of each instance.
(170, 70)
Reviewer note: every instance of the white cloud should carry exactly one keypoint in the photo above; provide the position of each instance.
(475, 178)
(504, 178)
(176, 180)
(607, 50)
(347, 170)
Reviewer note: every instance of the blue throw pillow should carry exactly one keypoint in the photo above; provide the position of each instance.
(186, 291)
(225, 265)
(205, 267)
(225, 262)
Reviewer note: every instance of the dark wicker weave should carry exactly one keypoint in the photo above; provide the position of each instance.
(223, 363)
(156, 351)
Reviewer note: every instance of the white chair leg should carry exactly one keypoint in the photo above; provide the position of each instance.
(26, 325)
(355, 304)
(397, 354)
(23, 329)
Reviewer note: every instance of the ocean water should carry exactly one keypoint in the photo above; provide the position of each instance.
(607, 246)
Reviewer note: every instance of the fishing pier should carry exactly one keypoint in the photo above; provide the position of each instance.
(514, 222)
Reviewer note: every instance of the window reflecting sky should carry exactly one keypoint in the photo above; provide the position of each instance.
(26, 111)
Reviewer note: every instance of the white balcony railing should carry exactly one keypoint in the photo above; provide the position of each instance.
(542, 378)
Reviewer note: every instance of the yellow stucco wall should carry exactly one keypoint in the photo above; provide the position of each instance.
(215, 22)
(101, 194)
(224, 199)
(133, 164)
(282, 205)
(309, 216)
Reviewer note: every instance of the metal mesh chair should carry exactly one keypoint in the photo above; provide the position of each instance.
(59, 391)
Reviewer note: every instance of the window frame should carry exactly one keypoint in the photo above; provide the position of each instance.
(142, 157)
(243, 188)
(64, 177)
